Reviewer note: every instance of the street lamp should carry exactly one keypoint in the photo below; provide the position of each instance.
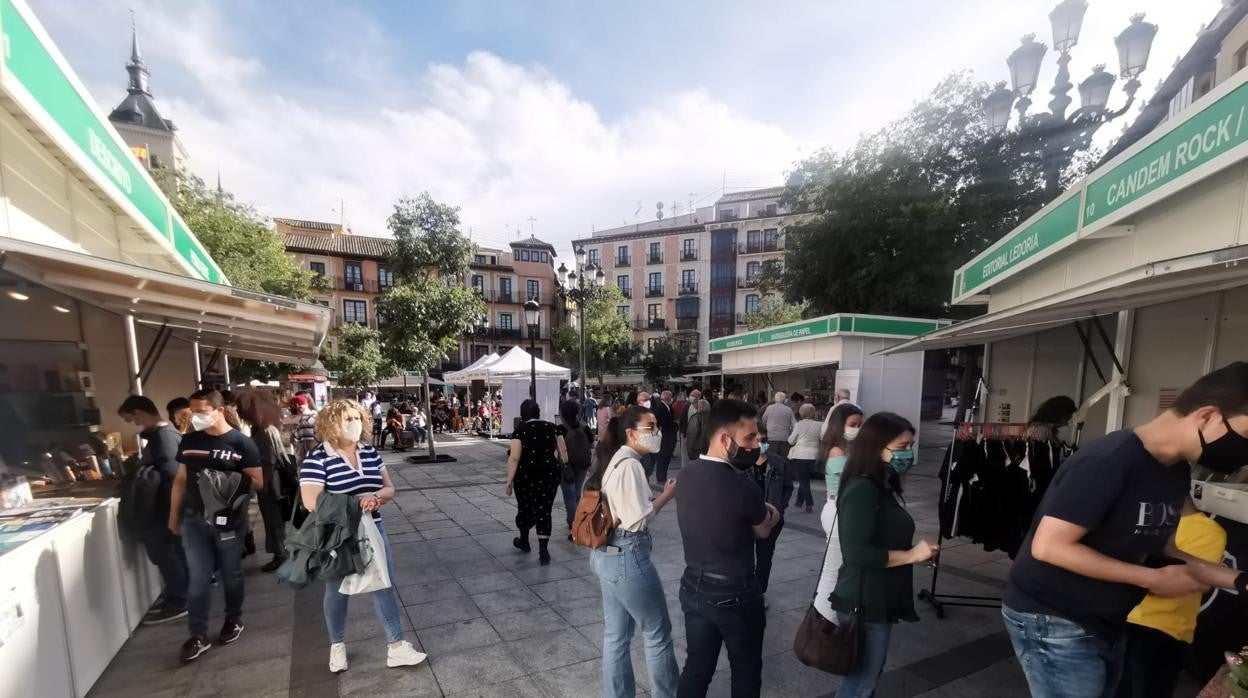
(1059, 136)
(533, 318)
(581, 286)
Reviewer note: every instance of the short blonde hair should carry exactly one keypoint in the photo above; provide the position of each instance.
(806, 411)
(329, 420)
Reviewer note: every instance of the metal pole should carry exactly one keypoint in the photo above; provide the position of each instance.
(225, 367)
(199, 373)
(580, 309)
(533, 360)
(132, 356)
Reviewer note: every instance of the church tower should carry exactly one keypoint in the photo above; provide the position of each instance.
(152, 138)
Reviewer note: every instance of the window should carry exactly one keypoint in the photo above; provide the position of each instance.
(493, 259)
(622, 310)
(772, 209)
(533, 288)
(385, 277)
(524, 255)
(753, 239)
(654, 311)
(689, 248)
(515, 255)
(537, 351)
(686, 278)
(353, 276)
(624, 282)
(751, 303)
(770, 238)
(723, 275)
(355, 311)
(479, 351)
(504, 321)
(686, 308)
(504, 288)
(317, 268)
(721, 305)
(723, 241)
(478, 283)
(656, 252)
(593, 258)
(753, 269)
(479, 259)
(545, 257)
(656, 281)
(1241, 57)
(652, 343)
(726, 214)
(621, 254)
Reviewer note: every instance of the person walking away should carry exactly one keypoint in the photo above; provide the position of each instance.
(843, 427)
(163, 546)
(877, 539)
(1113, 505)
(217, 543)
(589, 411)
(1160, 629)
(778, 423)
(696, 436)
(839, 398)
(265, 418)
(378, 412)
(579, 445)
(771, 474)
(667, 428)
(682, 424)
(533, 475)
(343, 464)
(632, 595)
(305, 427)
(803, 453)
(603, 417)
(721, 514)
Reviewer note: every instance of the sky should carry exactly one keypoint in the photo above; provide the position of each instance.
(557, 117)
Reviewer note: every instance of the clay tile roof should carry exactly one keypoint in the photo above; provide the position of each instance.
(340, 245)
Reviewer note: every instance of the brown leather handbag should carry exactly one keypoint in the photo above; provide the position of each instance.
(824, 645)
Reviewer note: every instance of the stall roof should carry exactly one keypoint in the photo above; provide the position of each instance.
(839, 324)
(518, 363)
(1149, 284)
(241, 323)
(779, 368)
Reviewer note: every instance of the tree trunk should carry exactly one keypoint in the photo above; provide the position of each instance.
(433, 451)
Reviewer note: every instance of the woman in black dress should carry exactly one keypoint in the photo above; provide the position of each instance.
(533, 475)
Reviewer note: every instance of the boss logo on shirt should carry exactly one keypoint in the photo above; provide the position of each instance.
(1157, 518)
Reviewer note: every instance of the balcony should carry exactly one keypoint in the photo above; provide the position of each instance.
(688, 255)
(656, 324)
(351, 283)
(687, 323)
(654, 292)
(760, 246)
(688, 289)
(508, 333)
(748, 281)
(506, 297)
(623, 261)
(654, 258)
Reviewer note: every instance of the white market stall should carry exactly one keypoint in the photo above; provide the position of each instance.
(819, 355)
(475, 371)
(513, 370)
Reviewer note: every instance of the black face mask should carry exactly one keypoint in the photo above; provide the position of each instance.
(741, 457)
(1225, 454)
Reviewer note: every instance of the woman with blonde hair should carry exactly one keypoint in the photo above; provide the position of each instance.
(342, 464)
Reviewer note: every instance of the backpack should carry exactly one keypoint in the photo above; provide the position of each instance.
(138, 506)
(578, 442)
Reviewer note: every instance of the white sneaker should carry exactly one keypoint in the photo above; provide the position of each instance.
(338, 657)
(403, 655)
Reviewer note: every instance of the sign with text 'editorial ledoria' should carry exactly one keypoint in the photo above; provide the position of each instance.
(1039, 237)
(54, 101)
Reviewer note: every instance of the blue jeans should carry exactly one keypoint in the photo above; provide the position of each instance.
(571, 497)
(632, 595)
(1061, 659)
(860, 683)
(166, 552)
(385, 603)
(208, 549)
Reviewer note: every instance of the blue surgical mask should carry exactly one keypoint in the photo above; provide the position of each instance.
(764, 447)
(903, 460)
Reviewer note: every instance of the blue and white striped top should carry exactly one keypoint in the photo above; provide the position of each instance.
(324, 466)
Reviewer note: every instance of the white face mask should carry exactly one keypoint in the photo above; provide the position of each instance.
(851, 433)
(201, 421)
(646, 404)
(650, 441)
(353, 429)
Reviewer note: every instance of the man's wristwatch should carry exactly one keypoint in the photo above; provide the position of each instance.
(1241, 582)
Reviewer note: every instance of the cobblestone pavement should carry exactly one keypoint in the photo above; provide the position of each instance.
(495, 623)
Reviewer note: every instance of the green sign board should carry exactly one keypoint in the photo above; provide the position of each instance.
(1057, 226)
(1209, 133)
(826, 326)
(30, 63)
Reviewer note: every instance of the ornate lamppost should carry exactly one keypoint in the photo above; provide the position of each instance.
(581, 286)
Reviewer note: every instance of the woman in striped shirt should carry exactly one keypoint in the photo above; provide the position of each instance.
(342, 464)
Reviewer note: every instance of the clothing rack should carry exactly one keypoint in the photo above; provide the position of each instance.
(973, 432)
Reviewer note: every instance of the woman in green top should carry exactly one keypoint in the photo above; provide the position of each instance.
(843, 425)
(877, 535)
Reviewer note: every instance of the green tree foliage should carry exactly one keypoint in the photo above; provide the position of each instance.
(608, 337)
(665, 360)
(359, 363)
(427, 236)
(772, 311)
(891, 218)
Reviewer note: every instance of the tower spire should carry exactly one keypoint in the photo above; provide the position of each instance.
(136, 67)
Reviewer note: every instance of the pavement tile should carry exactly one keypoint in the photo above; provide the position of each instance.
(506, 600)
(574, 680)
(537, 574)
(525, 687)
(479, 584)
(551, 650)
(407, 575)
(424, 592)
(522, 624)
(578, 612)
(474, 568)
(262, 677)
(567, 589)
(462, 635)
(368, 674)
(452, 531)
(428, 615)
(462, 553)
(476, 668)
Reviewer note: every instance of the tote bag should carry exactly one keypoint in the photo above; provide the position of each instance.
(376, 574)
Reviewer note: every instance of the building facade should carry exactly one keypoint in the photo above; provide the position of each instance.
(356, 272)
(693, 276)
(152, 138)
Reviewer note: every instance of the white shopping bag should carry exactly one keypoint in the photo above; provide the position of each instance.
(376, 574)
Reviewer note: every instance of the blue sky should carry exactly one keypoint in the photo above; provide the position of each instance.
(569, 112)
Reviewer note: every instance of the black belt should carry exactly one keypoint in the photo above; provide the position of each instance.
(721, 578)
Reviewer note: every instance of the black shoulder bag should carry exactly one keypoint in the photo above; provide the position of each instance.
(822, 644)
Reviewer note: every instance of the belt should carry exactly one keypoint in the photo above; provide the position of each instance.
(721, 578)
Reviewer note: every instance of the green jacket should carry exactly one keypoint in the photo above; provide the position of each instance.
(325, 546)
(871, 523)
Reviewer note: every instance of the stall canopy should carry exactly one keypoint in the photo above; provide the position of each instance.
(240, 323)
(518, 363)
(473, 371)
(1149, 284)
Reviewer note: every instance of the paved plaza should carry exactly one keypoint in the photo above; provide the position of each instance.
(496, 623)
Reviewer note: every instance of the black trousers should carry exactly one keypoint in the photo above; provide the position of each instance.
(535, 496)
(662, 460)
(764, 551)
(1153, 662)
(719, 614)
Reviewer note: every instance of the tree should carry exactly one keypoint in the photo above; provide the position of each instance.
(423, 315)
(773, 310)
(608, 337)
(665, 360)
(890, 219)
(359, 363)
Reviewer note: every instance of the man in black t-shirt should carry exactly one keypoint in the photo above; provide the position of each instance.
(1108, 518)
(212, 445)
(721, 514)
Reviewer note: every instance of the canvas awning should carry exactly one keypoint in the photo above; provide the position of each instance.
(518, 363)
(473, 371)
(241, 323)
(1150, 284)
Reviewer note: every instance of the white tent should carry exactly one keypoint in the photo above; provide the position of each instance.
(514, 370)
(473, 371)
(518, 363)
